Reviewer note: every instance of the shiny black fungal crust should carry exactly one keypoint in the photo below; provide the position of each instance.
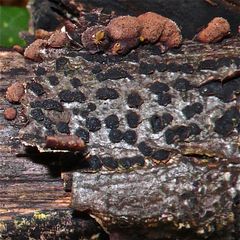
(93, 124)
(111, 121)
(227, 122)
(115, 135)
(37, 88)
(53, 80)
(75, 82)
(132, 117)
(182, 85)
(106, 93)
(63, 127)
(190, 110)
(83, 134)
(209, 64)
(134, 100)
(112, 73)
(158, 87)
(40, 71)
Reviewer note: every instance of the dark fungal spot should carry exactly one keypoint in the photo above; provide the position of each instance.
(173, 67)
(138, 160)
(146, 68)
(60, 63)
(194, 129)
(145, 149)
(63, 127)
(50, 104)
(106, 93)
(111, 121)
(40, 71)
(133, 119)
(209, 64)
(158, 123)
(224, 62)
(50, 132)
(158, 87)
(229, 120)
(83, 134)
(66, 96)
(36, 104)
(94, 162)
(164, 99)
(125, 162)
(37, 114)
(182, 85)
(96, 69)
(79, 96)
(75, 82)
(109, 163)
(47, 123)
(130, 137)
(17, 71)
(113, 73)
(53, 80)
(190, 110)
(93, 124)
(115, 135)
(177, 134)
(37, 88)
(91, 107)
(160, 155)
(187, 68)
(161, 67)
(237, 61)
(211, 88)
(134, 100)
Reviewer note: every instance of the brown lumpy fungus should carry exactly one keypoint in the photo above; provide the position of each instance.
(171, 35)
(15, 92)
(58, 39)
(124, 46)
(124, 27)
(10, 113)
(95, 39)
(34, 50)
(215, 31)
(153, 25)
(42, 34)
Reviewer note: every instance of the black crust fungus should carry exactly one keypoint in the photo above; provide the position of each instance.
(229, 120)
(145, 149)
(209, 64)
(75, 82)
(53, 80)
(50, 104)
(106, 93)
(93, 124)
(40, 71)
(63, 127)
(37, 114)
(182, 85)
(190, 110)
(94, 162)
(130, 137)
(36, 88)
(66, 96)
(111, 121)
(134, 100)
(158, 123)
(109, 163)
(133, 119)
(60, 63)
(83, 134)
(146, 68)
(112, 73)
(115, 135)
(158, 87)
(160, 155)
(164, 99)
(177, 134)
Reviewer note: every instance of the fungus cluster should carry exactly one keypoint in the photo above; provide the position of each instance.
(122, 34)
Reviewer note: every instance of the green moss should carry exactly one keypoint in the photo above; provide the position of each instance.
(12, 21)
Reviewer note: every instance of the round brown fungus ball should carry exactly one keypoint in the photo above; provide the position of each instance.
(10, 113)
(15, 92)
(34, 50)
(215, 31)
(153, 25)
(171, 35)
(124, 27)
(58, 39)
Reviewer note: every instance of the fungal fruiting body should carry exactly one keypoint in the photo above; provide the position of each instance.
(160, 30)
(153, 25)
(124, 32)
(95, 39)
(34, 50)
(215, 31)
